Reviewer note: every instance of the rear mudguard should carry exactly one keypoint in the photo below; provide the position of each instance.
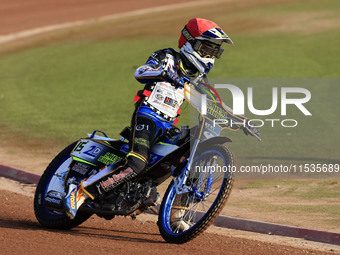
(90, 155)
(99, 152)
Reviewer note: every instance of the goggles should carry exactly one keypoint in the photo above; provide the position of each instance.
(207, 49)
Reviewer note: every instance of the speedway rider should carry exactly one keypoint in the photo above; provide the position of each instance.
(158, 105)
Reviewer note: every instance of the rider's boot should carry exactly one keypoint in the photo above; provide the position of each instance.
(177, 214)
(74, 199)
(111, 176)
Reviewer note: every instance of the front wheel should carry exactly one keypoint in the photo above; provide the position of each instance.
(52, 181)
(183, 217)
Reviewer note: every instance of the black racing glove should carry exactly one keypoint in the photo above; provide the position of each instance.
(171, 76)
(249, 129)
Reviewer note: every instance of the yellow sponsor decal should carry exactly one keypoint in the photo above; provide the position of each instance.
(73, 200)
(216, 111)
(108, 158)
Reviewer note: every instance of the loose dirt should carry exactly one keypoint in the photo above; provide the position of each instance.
(20, 232)
(19, 15)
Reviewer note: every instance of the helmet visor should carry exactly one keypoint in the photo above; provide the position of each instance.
(208, 49)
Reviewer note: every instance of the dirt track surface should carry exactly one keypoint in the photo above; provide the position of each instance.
(18, 15)
(21, 234)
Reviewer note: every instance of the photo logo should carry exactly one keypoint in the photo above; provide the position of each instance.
(238, 100)
(304, 96)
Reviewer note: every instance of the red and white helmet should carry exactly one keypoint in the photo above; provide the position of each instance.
(201, 42)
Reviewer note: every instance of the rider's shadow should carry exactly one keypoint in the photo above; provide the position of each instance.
(83, 231)
(114, 234)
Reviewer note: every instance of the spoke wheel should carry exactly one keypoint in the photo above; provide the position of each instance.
(49, 218)
(182, 217)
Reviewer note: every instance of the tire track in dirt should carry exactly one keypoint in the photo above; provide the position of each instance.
(21, 234)
(16, 15)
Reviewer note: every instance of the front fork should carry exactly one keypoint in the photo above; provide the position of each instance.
(182, 178)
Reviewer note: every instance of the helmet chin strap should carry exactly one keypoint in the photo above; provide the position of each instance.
(193, 57)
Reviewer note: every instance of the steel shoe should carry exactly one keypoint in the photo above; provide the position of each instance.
(73, 200)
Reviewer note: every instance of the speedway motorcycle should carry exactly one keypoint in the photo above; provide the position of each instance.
(196, 159)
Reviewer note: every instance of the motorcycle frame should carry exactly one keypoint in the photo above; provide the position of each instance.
(191, 91)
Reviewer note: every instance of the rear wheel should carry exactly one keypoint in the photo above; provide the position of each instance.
(183, 217)
(54, 175)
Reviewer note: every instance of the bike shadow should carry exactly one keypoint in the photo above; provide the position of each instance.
(115, 235)
(84, 231)
(19, 224)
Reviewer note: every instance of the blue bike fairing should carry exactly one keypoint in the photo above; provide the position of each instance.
(145, 110)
